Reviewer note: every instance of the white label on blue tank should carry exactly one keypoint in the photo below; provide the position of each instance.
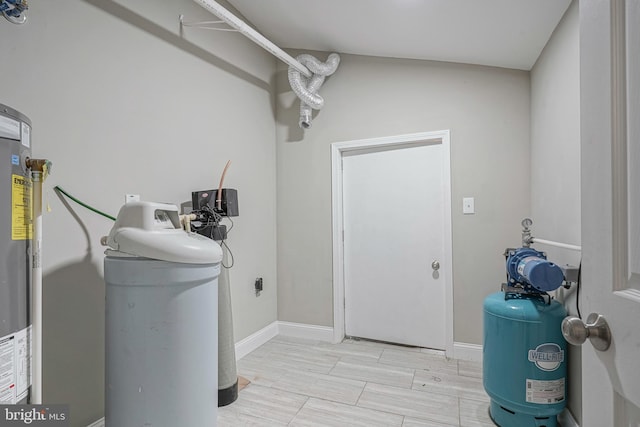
(547, 356)
(545, 392)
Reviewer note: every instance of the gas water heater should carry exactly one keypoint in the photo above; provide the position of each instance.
(524, 352)
(15, 250)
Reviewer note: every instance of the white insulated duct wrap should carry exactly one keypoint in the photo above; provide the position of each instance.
(307, 88)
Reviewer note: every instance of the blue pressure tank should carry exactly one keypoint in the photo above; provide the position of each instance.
(524, 359)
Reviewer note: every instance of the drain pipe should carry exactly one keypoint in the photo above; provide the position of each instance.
(39, 170)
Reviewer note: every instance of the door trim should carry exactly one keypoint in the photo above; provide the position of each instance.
(338, 149)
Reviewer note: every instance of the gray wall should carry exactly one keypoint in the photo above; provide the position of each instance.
(555, 160)
(121, 104)
(487, 111)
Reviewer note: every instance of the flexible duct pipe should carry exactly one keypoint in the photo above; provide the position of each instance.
(306, 111)
(306, 89)
(306, 73)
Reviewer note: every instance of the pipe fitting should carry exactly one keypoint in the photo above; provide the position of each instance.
(38, 165)
(39, 168)
(185, 221)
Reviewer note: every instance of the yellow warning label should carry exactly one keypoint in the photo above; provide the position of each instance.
(21, 222)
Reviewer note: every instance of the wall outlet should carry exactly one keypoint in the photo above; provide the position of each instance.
(131, 198)
(468, 206)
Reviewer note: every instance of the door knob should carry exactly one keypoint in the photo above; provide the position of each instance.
(435, 265)
(596, 329)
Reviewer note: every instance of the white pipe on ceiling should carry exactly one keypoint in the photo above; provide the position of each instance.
(252, 34)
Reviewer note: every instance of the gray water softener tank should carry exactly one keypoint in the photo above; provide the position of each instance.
(161, 321)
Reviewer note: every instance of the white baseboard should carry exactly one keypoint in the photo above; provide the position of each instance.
(255, 340)
(289, 329)
(566, 419)
(465, 351)
(461, 351)
(302, 330)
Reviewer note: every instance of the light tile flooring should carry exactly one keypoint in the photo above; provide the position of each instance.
(298, 382)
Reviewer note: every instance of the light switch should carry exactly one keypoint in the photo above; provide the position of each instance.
(468, 206)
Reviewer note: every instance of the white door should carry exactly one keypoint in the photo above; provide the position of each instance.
(610, 134)
(394, 230)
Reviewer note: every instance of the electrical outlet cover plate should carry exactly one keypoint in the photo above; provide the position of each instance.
(468, 206)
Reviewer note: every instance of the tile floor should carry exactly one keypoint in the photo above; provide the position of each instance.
(298, 382)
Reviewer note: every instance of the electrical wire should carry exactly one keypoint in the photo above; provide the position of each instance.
(231, 221)
(84, 205)
(213, 220)
(233, 261)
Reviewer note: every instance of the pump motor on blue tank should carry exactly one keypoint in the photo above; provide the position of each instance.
(524, 352)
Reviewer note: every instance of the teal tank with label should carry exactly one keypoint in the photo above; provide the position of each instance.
(524, 359)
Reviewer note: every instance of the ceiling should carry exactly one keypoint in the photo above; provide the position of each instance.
(501, 33)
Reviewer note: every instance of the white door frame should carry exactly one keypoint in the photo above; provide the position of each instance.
(338, 149)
